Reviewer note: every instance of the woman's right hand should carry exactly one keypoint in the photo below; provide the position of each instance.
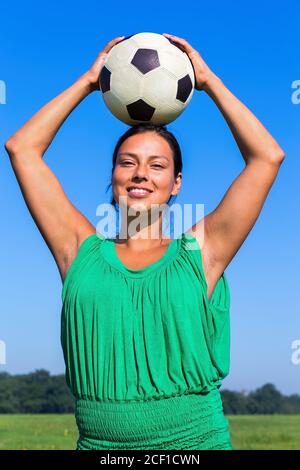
(93, 73)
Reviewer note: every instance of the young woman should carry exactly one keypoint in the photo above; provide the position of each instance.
(145, 319)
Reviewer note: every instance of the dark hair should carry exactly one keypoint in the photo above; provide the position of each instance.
(160, 130)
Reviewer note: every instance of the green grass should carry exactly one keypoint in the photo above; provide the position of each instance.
(265, 432)
(37, 431)
(41, 432)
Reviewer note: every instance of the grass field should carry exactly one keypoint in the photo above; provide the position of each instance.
(60, 432)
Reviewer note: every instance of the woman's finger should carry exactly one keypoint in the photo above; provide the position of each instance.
(181, 41)
(178, 39)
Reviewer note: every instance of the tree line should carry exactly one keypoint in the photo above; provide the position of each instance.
(40, 392)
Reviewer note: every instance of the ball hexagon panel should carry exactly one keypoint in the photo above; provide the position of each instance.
(190, 68)
(123, 54)
(157, 41)
(115, 106)
(159, 86)
(146, 60)
(173, 61)
(126, 83)
(164, 113)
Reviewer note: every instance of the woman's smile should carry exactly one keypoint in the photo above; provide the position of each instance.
(138, 192)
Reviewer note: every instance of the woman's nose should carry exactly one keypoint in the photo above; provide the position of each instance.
(141, 173)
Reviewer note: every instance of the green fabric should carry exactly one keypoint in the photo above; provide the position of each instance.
(188, 421)
(138, 335)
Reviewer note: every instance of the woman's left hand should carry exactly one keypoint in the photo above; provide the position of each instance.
(201, 70)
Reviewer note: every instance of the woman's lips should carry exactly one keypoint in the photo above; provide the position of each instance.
(138, 194)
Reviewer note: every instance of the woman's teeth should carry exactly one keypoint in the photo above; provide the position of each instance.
(142, 192)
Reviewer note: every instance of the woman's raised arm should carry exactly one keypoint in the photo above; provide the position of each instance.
(60, 223)
(222, 232)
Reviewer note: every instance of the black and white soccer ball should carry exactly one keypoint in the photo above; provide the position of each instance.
(147, 78)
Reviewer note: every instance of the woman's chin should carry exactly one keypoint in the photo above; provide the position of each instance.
(141, 206)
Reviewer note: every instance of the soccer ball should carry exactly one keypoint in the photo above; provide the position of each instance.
(147, 78)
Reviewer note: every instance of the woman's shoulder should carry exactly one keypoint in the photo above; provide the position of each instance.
(87, 242)
(212, 273)
(87, 231)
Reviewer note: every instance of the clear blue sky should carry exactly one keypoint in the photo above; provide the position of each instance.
(253, 48)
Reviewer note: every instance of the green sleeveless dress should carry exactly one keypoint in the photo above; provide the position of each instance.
(145, 350)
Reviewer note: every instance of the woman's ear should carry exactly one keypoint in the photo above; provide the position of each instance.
(177, 184)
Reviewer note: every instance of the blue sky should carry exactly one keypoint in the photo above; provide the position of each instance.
(253, 49)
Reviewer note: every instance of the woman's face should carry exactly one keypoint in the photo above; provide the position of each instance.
(145, 161)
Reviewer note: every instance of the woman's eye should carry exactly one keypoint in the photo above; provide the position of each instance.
(131, 163)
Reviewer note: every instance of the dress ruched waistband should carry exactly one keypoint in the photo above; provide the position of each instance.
(189, 421)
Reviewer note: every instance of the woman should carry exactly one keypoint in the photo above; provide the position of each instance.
(145, 319)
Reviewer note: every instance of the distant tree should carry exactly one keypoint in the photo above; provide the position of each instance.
(8, 402)
(291, 404)
(37, 392)
(266, 400)
(234, 403)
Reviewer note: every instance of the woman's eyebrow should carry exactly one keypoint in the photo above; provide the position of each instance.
(136, 156)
